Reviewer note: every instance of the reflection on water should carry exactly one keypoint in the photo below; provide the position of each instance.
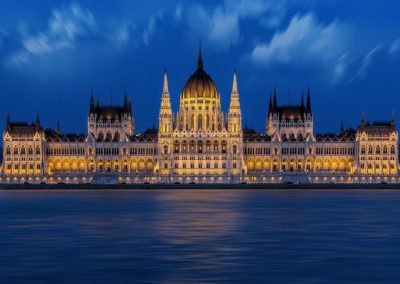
(199, 236)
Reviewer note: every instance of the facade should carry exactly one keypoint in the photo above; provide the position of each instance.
(199, 143)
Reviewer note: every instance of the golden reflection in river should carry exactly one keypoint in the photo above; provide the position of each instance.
(189, 216)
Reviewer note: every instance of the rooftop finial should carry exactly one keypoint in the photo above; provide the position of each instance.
(200, 59)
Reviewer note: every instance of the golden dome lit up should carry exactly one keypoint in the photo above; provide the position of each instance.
(200, 84)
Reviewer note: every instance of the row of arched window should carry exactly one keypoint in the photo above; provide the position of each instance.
(378, 150)
(22, 150)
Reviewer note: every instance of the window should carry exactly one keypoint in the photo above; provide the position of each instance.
(37, 151)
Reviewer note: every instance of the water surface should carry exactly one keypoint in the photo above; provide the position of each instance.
(200, 236)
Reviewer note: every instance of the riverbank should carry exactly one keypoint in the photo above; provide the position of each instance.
(196, 186)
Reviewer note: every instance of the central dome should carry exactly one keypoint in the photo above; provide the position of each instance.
(200, 84)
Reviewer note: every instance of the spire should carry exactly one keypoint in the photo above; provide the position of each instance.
(234, 84)
(341, 127)
(37, 123)
(37, 118)
(363, 119)
(200, 60)
(91, 108)
(308, 108)
(274, 103)
(8, 122)
(270, 103)
(302, 101)
(58, 128)
(392, 121)
(165, 86)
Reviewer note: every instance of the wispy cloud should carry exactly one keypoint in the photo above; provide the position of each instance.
(64, 27)
(307, 42)
(220, 25)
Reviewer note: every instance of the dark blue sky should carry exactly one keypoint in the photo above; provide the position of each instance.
(53, 52)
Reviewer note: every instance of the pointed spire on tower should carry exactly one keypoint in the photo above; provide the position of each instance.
(270, 103)
(200, 59)
(341, 127)
(91, 108)
(363, 119)
(8, 122)
(392, 121)
(58, 128)
(165, 86)
(302, 101)
(234, 83)
(274, 103)
(37, 122)
(308, 107)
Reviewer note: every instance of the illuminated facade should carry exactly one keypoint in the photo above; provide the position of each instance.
(200, 144)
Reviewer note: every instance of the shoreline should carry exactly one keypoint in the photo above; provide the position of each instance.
(355, 186)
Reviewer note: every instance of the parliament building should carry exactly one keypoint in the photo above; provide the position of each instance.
(199, 143)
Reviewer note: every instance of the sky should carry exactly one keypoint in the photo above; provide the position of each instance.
(52, 53)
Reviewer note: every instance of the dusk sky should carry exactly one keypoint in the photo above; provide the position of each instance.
(53, 52)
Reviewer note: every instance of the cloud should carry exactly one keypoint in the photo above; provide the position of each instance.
(394, 48)
(151, 26)
(64, 27)
(307, 42)
(220, 25)
(366, 61)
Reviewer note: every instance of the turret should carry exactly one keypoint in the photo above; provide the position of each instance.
(165, 116)
(8, 123)
(234, 114)
(37, 122)
(392, 121)
(308, 107)
(91, 108)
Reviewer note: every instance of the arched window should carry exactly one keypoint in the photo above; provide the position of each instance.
(234, 149)
(200, 146)
(363, 150)
(37, 151)
(378, 150)
(15, 151)
(23, 150)
(165, 149)
(192, 145)
(116, 136)
(192, 122)
(200, 122)
(100, 137)
(370, 150)
(30, 150)
(223, 146)
(208, 145)
(108, 136)
(216, 145)
(184, 146)
(392, 150)
(176, 146)
(207, 121)
(385, 150)
(8, 151)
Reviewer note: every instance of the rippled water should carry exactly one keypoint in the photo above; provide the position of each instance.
(200, 236)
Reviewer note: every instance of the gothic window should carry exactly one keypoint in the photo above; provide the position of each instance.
(100, 137)
(377, 150)
(216, 145)
(23, 150)
(184, 145)
(192, 145)
(15, 151)
(37, 151)
(8, 151)
(176, 147)
(116, 136)
(108, 137)
(392, 150)
(223, 146)
(192, 122)
(363, 150)
(234, 149)
(200, 122)
(200, 146)
(385, 150)
(124, 151)
(208, 145)
(370, 150)
(207, 121)
(165, 149)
